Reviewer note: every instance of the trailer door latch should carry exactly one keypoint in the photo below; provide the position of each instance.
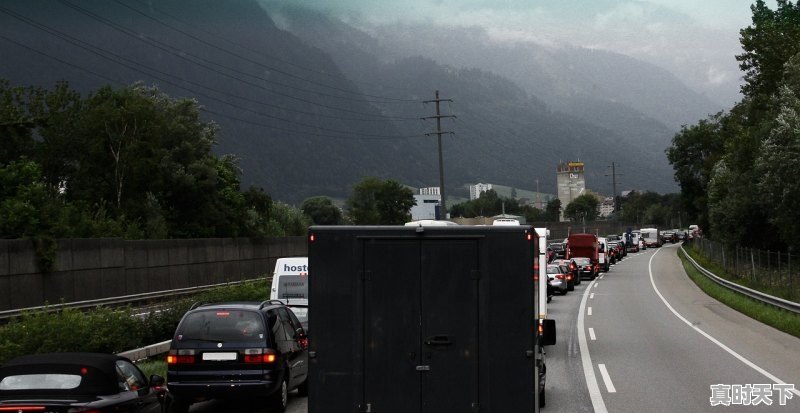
(423, 368)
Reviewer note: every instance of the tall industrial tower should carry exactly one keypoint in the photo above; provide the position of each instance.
(571, 183)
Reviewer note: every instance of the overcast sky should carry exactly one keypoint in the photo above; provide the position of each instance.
(694, 39)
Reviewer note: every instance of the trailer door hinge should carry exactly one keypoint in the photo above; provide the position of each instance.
(476, 407)
(475, 275)
(366, 275)
(365, 408)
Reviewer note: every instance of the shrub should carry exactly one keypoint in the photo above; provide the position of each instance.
(108, 330)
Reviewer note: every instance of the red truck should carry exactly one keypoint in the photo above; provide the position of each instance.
(584, 246)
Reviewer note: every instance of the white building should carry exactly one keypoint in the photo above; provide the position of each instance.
(431, 190)
(425, 207)
(571, 183)
(607, 207)
(476, 190)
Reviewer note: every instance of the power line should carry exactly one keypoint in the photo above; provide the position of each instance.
(254, 123)
(181, 54)
(439, 132)
(273, 57)
(110, 80)
(76, 43)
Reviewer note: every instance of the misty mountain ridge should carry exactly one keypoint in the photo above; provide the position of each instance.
(312, 111)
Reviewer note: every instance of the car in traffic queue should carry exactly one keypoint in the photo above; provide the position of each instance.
(602, 254)
(235, 350)
(570, 272)
(558, 249)
(557, 278)
(586, 268)
(621, 250)
(78, 382)
(613, 252)
(634, 244)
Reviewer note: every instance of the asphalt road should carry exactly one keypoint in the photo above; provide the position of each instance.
(297, 404)
(660, 340)
(657, 343)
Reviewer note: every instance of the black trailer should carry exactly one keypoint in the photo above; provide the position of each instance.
(424, 319)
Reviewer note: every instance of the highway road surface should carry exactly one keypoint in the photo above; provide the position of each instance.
(644, 338)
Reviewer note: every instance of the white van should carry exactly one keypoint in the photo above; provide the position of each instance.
(430, 223)
(506, 222)
(602, 254)
(290, 280)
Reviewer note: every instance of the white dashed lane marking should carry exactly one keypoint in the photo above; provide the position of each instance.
(606, 378)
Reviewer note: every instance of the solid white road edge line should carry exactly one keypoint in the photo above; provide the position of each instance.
(591, 334)
(606, 378)
(708, 336)
(586, 360)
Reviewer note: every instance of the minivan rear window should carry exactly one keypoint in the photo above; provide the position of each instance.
(221, 325)
(292, 286)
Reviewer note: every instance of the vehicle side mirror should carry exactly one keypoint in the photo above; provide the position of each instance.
(156, 381)
(547, 332)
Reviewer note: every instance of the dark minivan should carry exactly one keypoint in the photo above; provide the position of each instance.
(233, 350)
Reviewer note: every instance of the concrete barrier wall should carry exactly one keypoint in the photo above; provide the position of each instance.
(87, 269)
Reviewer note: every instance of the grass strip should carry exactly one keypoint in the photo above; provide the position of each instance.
(783, 320)
(153, 366)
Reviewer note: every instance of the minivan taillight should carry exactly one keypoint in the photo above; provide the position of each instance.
(180, 357)
(260, 355)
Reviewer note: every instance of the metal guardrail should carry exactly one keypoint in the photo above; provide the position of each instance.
(121, 300)
(756, 295)
(147, 351)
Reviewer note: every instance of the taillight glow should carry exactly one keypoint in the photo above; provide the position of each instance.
(311, 238)
(22, 409)
(181, 357)
(560, 276)
(175, 359)
(259, 356)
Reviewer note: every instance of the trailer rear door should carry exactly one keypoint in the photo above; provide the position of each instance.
(421, 325)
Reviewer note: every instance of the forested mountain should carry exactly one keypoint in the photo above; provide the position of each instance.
(313, 114)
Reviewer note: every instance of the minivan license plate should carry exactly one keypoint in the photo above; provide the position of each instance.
(220, 356)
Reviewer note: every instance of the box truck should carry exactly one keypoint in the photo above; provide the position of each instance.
(427, 319)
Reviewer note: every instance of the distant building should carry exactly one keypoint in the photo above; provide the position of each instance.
(476, 190)
(426, 206)
(431, 190)
(571, 183)
(607, 207)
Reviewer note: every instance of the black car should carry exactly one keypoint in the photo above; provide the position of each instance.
(586, 268)
(558, 249)
(237, 350)
(78, 382)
